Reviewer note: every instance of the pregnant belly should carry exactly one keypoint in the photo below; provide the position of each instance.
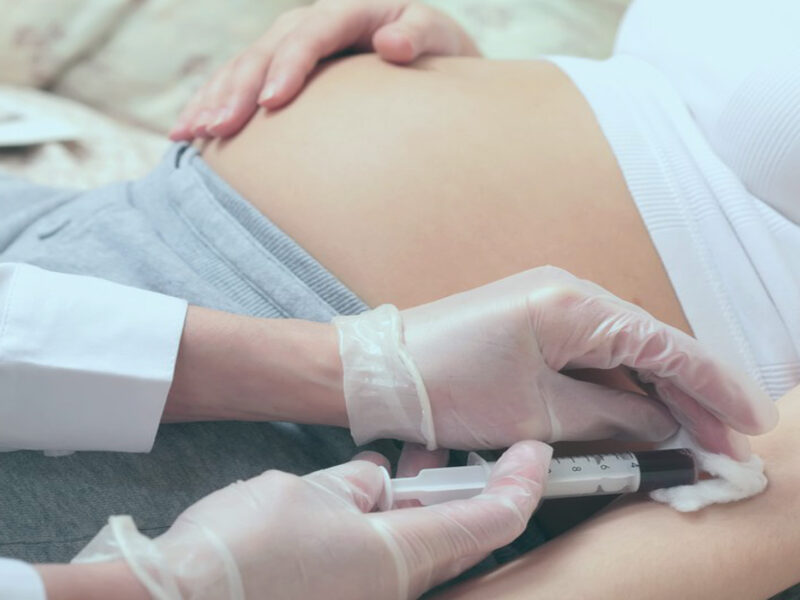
(413, 183)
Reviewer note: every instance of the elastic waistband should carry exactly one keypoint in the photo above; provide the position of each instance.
(228, 242)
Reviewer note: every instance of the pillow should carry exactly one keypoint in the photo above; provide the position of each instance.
(529, 28)
(39, 38)
(163, 52)
(105, 151)
(165, 49)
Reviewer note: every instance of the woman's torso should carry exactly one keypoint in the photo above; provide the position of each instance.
(413, 183)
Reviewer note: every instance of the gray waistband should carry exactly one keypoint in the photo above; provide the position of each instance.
(229, 243)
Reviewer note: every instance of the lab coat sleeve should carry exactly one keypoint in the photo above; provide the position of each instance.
(20, 581)
(85, 364)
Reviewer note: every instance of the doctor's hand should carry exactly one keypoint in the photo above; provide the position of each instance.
(485, 368)
(288, 537)
(273, 70)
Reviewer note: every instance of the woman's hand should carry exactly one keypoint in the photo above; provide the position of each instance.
(282, 536)
(483, 369)
(274, 69)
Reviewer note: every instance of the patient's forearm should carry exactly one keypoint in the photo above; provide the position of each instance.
(642, 549)
(236, 367)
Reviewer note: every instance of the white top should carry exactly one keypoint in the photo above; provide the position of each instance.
(737, 68)
(85, 364)
(698, 105)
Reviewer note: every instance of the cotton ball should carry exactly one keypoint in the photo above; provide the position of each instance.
(732, 480)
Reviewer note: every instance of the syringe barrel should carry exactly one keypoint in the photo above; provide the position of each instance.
(568, 476)
(619, 473)
(665, 468)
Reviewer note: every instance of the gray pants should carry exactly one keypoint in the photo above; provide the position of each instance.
(184, 232)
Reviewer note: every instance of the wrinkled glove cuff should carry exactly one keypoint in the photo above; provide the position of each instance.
(121, 540)
(383, 389)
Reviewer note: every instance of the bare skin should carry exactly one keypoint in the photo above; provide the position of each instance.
(410, 184)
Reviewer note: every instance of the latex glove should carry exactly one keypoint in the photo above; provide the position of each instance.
(273, 70)
(282, 536)
(481, 369)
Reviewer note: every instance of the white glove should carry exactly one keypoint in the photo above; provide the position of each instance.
(481, 369)
(280, 536)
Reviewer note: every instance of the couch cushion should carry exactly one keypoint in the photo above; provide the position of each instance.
(105, 150)
(162, 52)
(530, 28)
(39, 38)
(166, 48)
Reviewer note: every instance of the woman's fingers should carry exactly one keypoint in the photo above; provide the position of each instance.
(236, 102)
(227, 101)
(248, 75)
(319, 36)
(214, 97)
(184, 126)
(419, 30)
(196, 115)
(275, 69)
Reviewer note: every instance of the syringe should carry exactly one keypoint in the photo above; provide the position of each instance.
(587, 475)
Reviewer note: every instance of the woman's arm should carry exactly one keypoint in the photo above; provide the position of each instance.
(640, 549)
(236, 367)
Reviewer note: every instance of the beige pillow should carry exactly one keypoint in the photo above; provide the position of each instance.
(162, 52)
(165, 49)
(39, 38)
(530, 28)
(105, 151)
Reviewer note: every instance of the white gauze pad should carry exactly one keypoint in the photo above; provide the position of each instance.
(732, 480)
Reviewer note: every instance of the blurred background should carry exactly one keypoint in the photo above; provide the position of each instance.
(112, 75)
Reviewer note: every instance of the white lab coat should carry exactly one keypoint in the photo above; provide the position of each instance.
(85, 364)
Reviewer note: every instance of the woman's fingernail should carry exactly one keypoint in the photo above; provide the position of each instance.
(268, 92)
(201, 122)
(221, 116)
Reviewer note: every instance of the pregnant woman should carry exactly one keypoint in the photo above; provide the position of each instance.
(386, 184)
(668, 174)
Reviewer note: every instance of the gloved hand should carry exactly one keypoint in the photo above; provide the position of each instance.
(280, 536)
(273, 70)
(481, 369)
